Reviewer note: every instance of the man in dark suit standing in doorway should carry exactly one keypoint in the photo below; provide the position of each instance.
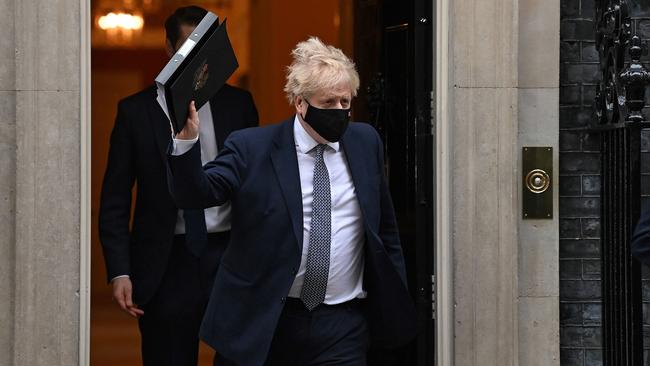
(162, 268)
(315, 271)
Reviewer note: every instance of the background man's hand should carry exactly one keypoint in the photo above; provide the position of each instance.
(122, 289)
(191, 129)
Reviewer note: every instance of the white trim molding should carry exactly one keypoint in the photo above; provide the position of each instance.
(85, 186)
(443, 235)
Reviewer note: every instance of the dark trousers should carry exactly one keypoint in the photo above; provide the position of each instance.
(330, 335)
(171, 320)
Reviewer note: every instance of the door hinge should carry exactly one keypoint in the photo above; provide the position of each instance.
(433, 297)
(432, 119)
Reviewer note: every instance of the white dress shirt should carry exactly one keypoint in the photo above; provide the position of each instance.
(345, 280)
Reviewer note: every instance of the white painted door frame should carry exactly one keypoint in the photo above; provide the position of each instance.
(443, 236)
(85, 172)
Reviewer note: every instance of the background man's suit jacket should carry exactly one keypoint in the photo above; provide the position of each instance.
(258, 171)
(138, 153)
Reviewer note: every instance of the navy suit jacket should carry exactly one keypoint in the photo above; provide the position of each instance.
(258, 172)
(641, 239)
(138, 153)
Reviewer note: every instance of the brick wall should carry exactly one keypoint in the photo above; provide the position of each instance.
(641, 23)
(580, 292)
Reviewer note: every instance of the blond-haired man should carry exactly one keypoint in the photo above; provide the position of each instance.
(315, 272)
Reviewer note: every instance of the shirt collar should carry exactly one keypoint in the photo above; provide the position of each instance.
(304, 142)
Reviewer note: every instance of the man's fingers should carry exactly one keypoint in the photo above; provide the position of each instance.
(120, 301)
(134, 311)
(127, 297)
(193, 113)
(191, 129)
(193, 116)
(122, 293)
(129, 307)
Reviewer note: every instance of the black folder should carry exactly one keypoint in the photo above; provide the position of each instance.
(197, 70)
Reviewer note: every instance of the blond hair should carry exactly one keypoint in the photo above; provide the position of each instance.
(317, 66)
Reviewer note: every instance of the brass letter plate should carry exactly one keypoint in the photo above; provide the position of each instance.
(537, 182)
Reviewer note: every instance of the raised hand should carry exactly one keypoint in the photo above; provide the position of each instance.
(191, 129)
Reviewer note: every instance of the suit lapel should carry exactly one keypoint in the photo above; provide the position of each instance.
(285, 164)
(160, 125)
(358, 169)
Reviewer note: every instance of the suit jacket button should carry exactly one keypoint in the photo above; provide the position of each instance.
(283, 299)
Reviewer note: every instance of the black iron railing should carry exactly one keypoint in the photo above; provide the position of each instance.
(619, 102)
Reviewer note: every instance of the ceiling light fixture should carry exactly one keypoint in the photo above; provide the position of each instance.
(124, 21)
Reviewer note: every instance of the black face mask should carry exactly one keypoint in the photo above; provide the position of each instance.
(329, 123)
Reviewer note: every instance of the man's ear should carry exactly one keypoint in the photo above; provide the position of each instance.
(169, 48)
(297, 100)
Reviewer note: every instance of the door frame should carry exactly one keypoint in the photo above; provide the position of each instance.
(85, 160)
(443, 188)
(444, 286)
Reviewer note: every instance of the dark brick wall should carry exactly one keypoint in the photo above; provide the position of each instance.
(641, 14)
(580, 291)
(645, 204)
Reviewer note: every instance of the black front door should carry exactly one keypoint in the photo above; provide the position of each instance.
(394, 53)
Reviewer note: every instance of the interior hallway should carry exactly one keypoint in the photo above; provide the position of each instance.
(259, 31)
(115, 341)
